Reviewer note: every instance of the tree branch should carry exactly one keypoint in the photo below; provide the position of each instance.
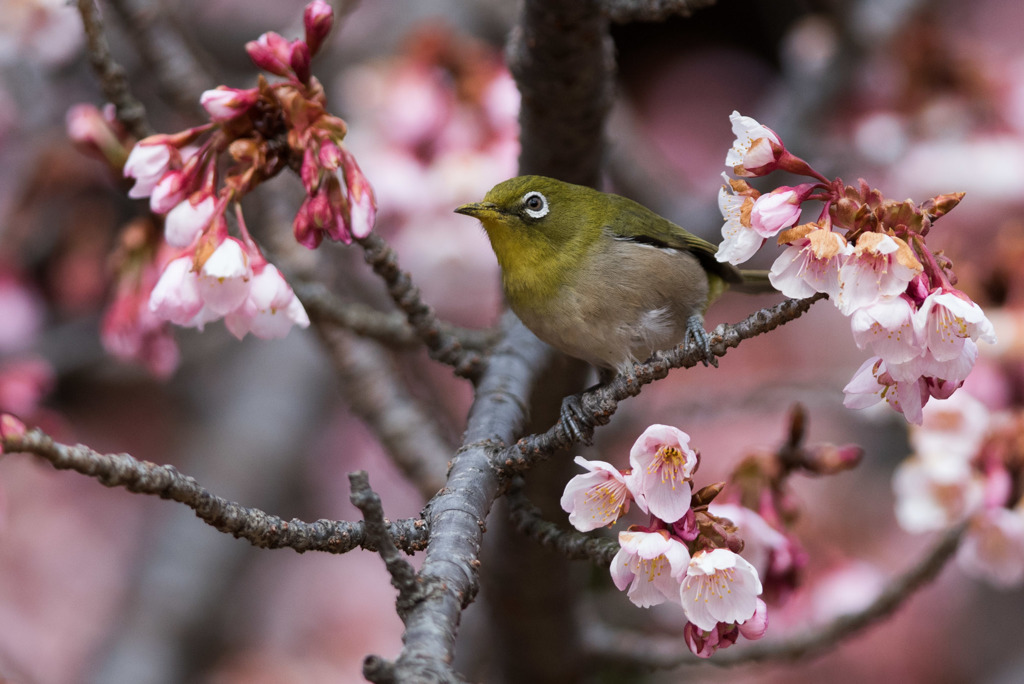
(259, 528)
(456, 516)
(389, 328)
(111, 75)
(612, 645)
(572, 544)
(403, 576)
(600, 403)
(442, 345)
(165, 51)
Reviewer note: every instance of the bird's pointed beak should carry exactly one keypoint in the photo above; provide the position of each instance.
(478, 209)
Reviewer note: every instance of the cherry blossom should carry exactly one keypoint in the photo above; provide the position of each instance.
(662, 465)
(270, 309)
(935, 491)
(188, 219)
(739, 240)
(224, 277)
(176, 297)
(993, 549)
(873, 383)
(719, 586)
(756, 149)
(649, 564)
(147, 163)
(811, 263)
(596, 498)
(887, 328)
(778, 209)
(879, 265)
(223, 103)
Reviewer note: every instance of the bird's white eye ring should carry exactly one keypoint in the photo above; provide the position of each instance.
(535, 204)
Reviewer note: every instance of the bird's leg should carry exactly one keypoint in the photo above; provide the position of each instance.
(579, 425)
(697, 336)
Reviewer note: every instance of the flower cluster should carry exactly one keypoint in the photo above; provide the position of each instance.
(684, 554)
(262, 130)
(869, 255)
(968, 464)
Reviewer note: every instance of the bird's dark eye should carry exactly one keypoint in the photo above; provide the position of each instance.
(535, 204)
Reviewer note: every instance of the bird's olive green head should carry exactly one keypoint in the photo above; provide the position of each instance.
(541, 230)
(532, 220)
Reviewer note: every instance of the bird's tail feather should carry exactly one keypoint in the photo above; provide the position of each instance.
(754, 282)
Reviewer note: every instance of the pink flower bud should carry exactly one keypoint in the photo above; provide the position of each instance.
(317, 19)
(11, 426)
(224, 104)
(362, 203)
(299, 60)
(271, 53)
(188, 219)
(147, 163)
(92, 132)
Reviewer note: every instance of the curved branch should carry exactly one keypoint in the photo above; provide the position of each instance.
(390, 328)
(442, 345)
(257, 527)
(130, 111)
(572, 544)
(641, 649)
(600, 403)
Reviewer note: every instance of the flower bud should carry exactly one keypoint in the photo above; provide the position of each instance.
(317, 19)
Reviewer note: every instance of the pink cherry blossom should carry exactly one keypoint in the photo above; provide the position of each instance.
(993, 549)
(873, 383)
(223, 103)
(147, 163)
(953, 426)
(778, 209)
(880, 265)
(270, 310)
(176, 296)
(649, 564)
(936, 490)
(224, 278)
(704, 644)
(811, 263)
(188, 219)
(756, 149)
(596, 498)
(887, 329)
(763, 545)
(947, 318)
(663, 464)
(739, 240)
(719, 586)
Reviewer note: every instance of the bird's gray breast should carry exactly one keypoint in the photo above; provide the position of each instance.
(627, 302)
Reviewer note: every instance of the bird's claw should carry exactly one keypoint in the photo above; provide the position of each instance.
(697, 337)
(574, 420)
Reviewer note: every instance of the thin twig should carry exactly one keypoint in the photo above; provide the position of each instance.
(572, 544)
(257, 527)
(403, 576)
(599, 404)
(112, 78)
(166, 51)
(620, 646)
(442, 346)
(389, 328)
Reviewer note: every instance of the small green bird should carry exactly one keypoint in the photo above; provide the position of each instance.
(599, 276)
